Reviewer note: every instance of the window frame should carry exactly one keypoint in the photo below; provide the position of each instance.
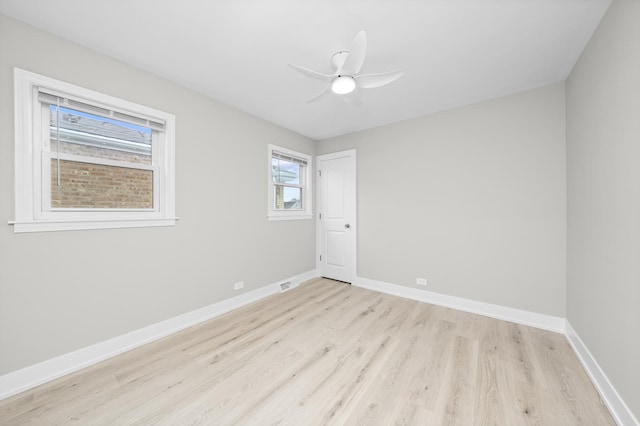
(306, 176)
(33, 210)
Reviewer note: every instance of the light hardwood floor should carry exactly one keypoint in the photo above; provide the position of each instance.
(329, 353)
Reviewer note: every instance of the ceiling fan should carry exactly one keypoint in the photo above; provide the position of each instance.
(346, 78)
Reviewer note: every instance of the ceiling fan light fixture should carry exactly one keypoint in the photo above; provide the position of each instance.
(343, 84)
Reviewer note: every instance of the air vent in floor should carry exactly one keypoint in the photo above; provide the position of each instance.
(285, 286)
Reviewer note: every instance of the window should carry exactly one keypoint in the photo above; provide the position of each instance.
(289, 184)
(85, 160)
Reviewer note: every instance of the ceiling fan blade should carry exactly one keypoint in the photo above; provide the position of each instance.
(325, 92)
(369, 81)
(353, 64)
(354, 98)
(313, 74)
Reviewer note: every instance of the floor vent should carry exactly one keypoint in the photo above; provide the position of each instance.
(285, 286)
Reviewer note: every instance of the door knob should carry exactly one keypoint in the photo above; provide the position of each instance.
(346, 225)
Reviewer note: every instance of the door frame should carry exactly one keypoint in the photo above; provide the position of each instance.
(353, 254)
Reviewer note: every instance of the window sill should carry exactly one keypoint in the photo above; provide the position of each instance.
(290, 217)
(46, 226)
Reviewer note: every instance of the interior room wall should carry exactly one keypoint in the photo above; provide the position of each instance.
(62, 291)
(603, 177)
(472, 199)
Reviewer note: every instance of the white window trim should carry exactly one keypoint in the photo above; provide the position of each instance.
(30, 216)
(306, 212)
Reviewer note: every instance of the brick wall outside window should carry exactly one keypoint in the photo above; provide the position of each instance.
(86, 185)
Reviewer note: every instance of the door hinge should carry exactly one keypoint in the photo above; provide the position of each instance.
(320, 216)
(320, 258)
(320, 173)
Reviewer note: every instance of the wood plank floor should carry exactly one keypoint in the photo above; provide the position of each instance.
(329, 353)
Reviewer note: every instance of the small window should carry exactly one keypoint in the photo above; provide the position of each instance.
(289, 184)
(86, 160)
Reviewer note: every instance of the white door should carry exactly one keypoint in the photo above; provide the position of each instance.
(336, 216)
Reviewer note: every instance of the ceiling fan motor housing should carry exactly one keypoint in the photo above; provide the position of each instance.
(338, 58)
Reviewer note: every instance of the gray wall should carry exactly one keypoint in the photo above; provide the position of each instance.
(473, 199)
(603, 177)
(62, 291)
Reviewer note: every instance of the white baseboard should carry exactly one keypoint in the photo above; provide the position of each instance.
(619, 410)
(34, 375)
(545, 322)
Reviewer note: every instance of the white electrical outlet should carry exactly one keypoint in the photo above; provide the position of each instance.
(238, 285)
(421, 281)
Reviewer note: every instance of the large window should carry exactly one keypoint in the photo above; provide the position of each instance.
(289, 184)
(85, 160)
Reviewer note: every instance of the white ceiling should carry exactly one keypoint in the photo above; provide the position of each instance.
(453, 52)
